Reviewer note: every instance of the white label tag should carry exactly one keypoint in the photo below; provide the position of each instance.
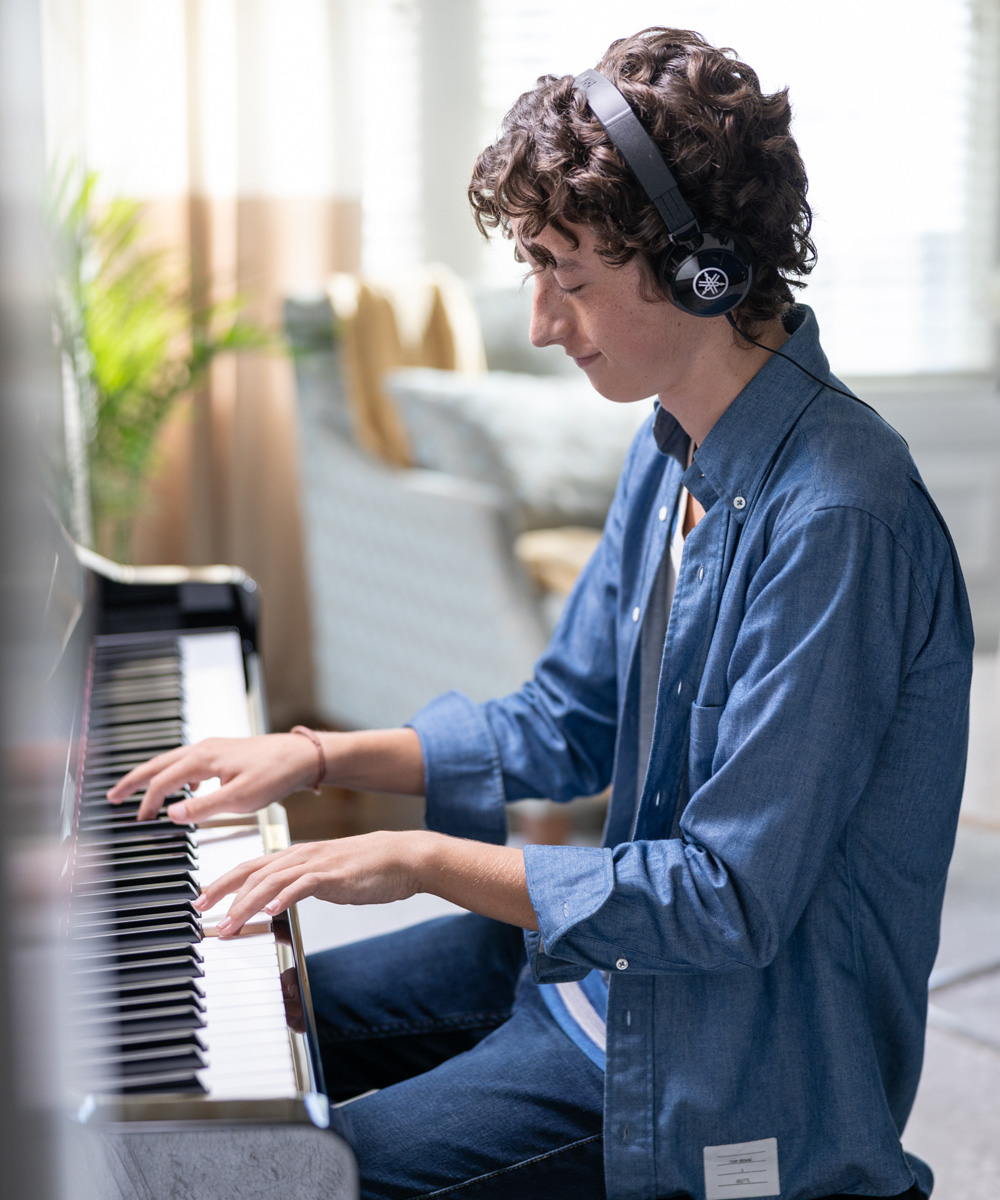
(742, 1169)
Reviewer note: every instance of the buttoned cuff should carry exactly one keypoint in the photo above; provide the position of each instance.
(462, 776)
(567, 885)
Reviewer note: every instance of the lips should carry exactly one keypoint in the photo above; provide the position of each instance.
(587, 359)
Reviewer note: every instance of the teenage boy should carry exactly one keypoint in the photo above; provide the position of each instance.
(768, 658)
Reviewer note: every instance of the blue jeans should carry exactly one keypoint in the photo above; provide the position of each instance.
(482, 1094)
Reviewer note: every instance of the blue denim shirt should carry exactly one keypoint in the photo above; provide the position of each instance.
(769, 912)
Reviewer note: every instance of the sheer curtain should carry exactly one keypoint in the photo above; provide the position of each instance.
(222, 115)
(278, 140)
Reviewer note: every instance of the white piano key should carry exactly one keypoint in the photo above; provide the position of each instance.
(249, 1053)
(248, 1046)
(215, 698)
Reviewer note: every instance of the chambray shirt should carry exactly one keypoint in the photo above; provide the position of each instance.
(769, 910)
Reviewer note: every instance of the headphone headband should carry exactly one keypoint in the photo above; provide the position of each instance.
(707, 273)
(635, 145)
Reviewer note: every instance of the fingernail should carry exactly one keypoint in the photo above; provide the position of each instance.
(201, 902)
(224, 923)
(178, 811)
(273, 907)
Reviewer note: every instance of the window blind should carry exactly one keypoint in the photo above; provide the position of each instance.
(895, 111)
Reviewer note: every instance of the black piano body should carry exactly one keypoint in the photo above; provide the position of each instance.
(193, 1068)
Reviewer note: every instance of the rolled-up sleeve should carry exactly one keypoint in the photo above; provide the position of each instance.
(462, 777)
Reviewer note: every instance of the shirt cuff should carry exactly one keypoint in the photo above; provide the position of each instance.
(566, 885)
(462, 776)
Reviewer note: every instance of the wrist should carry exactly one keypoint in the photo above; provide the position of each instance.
(304, 762)
(425, 855)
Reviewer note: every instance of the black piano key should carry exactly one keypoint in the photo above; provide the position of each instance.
(134, 712)
(133, 733)
(136, 840)
(153, 970)
(89, 882)
(141, 1000)
(104, 924)
(142, 1061)
(94, 800)
(144, 742)
(154, 727)
(90, 849)
(143, 937)
(143, 739)
(125, 691)
(109, 822)
(134, 897)
(107, 1046)
(148, 902)
(152, 660)
(115, 874)
(119, 858)
(124, 957)
(168, 1082)
(141, 833)
(123, 667)
(174, 1018)
(131, 987)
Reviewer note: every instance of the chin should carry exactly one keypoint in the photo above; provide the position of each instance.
(620, 393)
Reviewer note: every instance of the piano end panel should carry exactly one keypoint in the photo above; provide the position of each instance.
(266, 1162)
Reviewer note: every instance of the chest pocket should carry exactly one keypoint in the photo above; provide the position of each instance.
(702, 743)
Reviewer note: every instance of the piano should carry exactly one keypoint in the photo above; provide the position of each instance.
(193, 1065)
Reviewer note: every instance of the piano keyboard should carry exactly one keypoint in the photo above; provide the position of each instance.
(159, 1007)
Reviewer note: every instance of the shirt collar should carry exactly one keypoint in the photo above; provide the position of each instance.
(731, 463)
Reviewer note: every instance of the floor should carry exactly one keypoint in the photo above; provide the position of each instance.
(955, 1123)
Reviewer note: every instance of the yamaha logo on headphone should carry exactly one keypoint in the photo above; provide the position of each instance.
(710, 283)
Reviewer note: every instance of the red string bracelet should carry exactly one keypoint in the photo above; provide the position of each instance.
(321, 757)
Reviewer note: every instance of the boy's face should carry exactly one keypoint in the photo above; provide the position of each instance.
(628, 347)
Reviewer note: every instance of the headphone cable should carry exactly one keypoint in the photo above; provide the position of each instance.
(822, 382)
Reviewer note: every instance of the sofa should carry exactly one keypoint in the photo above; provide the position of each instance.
(449, 495)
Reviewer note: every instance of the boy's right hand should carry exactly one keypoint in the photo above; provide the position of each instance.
(253, 772)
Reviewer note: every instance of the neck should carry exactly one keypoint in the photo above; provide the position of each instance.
(723, 366)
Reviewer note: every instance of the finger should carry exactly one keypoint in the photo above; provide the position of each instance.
(300, 887)
(183, 771)
(231, 797)
(256, 895)
(167, 783)
(129, 784)
(232, 881)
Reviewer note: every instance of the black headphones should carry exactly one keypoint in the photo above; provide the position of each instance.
(705, 273)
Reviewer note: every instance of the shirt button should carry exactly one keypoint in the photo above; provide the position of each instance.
(657, 800)
(680, 686)
(622, 964)
(701, 574)
(662, 514)
(739, 502)
(635, 613)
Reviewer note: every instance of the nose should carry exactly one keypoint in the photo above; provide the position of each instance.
(550, 317)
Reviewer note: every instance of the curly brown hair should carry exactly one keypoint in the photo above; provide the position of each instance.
(727, 143)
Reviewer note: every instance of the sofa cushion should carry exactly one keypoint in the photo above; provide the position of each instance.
(553, 443)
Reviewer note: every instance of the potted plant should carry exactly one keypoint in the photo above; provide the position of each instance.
(135, 340)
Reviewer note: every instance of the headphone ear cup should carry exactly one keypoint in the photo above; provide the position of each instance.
(709, 276)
